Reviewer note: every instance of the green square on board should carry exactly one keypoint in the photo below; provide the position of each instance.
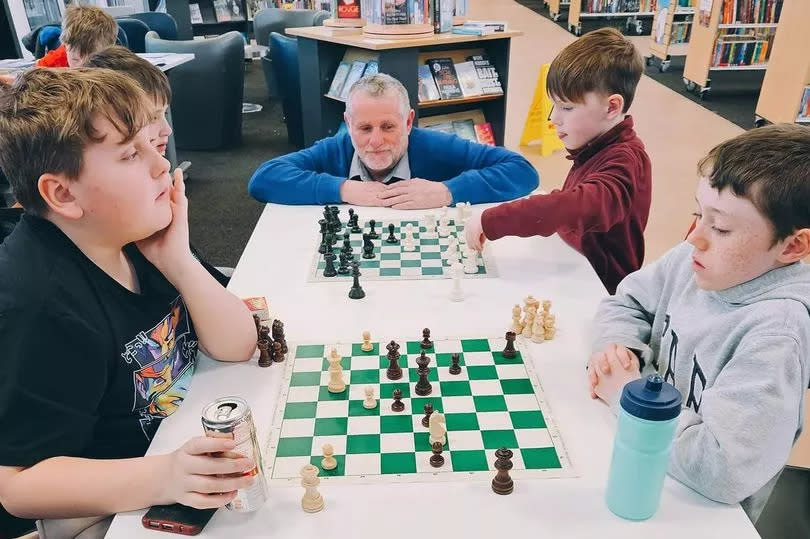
(300, 410)
(482, 372)
(432, 271)
(356, 409)
(490, 403)
(475, 345)
(445, 360)
(518, 386)
(455, 389)
(387, 389)
(307, 351)
(495, 439)
(337, 472)
(540, 458)
(531, 419)
(392, 463)
(421, 441)
(294, 447)
(500, 360)
(414, 348)
(396, 423)
(331, 426)
(390, 256)
(418, 404)
(362, 443)
(324, 395)
(469, 461)
(368, 376)
(390, 272)
(457, 422)
(411, 263)
(345, 362)
(302, 379)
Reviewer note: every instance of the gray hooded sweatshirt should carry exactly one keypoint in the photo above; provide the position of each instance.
(738, 356)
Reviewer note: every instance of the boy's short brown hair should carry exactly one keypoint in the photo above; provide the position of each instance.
(88, 29)
(46, 122)
(150, 78)
(602, 61)
(770, 166)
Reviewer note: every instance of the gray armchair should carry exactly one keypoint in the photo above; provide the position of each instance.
(207, 92)
(272, 20)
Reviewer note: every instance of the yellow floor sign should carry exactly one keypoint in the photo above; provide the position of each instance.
(538, 128)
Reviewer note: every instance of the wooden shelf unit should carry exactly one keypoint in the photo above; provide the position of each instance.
(210, 24)
(788, 71)
(555, 7)
(459, 101)
(661, 44)
(633, 19)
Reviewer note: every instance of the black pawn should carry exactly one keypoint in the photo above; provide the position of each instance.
(423, 386)
(331, 239)
(356, 291)
(356, 225)
(258, 322)
(368, 246)
(426, 342)
(323, 248)
(454, 367)
(428, 411)
(437, 460)
(509, 352)
(372, 233)
(350, 222)
(343, 268)
(502, 483)
(336, 218)
(394, 371)
(397, 405)
(329, 270)
(391, 237)
(347, 244)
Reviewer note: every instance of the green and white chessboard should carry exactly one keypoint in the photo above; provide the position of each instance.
(494, 402)
(392, 262)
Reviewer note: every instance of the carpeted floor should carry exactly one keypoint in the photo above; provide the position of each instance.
(221, 213)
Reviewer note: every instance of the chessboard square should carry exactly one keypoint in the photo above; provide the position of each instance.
(390, 264)
(337, 442)
(332, 409)
(364, 362)
(519, 403)
(390, 272)
(418, 405)
(433, 256)
(362, 464)
(410, 255)
(421, 441)
(367, 376)
(413, 373)
(490, 403)
(312, 350)
(498, 359)
(294, 428)
(432, 263)
(494, 420)
(469, 461)
(370, 264)
(486, 387)
(482, 372)
(300, 410)
(413, 271)
(534, 438)
(511, 372)
(444, 374)
(411, 263)
(528, 420)
(397, 442)
(396, 423)
(296, 446)
(356, 409)
(429, 242)
(516, 387)
(542, 458)
(307, 365)
(456, 422)
(475, 345)
(455, 389)
(446, 359)
(305, 379)
(426, 271)
(363, 424)
(465, 439)
(493, 439)
(345, 362)
(303, 394)
(397, 463)
(449, 346)
(458, 405)
(478, 358)
(331, 426)
(387, 390)
(415, 348)
(340, 471)
(362, 443)
(389, 256)
(324, 395)
(287, 467)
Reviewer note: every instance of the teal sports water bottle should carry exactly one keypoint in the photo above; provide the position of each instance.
(646, 428)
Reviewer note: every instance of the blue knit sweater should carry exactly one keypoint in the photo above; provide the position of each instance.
(472, 172)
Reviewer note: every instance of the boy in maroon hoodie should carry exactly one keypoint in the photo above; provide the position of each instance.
(602, 208)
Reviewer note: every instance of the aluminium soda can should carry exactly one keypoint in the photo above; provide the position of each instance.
(230, 417)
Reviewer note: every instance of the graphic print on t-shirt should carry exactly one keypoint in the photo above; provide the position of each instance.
(163, 362)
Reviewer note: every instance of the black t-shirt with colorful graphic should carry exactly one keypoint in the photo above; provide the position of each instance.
(89, 369)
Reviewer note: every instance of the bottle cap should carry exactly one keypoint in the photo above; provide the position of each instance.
(651, 398)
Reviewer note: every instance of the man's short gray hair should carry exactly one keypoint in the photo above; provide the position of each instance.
(379, 85)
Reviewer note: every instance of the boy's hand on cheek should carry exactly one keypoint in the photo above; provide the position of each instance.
(610, 370)
(168, 249)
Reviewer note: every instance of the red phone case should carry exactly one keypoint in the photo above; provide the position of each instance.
(176, 518)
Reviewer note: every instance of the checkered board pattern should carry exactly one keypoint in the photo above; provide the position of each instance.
(391, 262)
(494, 402)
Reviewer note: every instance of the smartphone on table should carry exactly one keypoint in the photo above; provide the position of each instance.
(177, 518)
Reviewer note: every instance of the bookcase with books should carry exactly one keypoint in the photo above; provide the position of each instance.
(211, 17)
(671, 29)
(443, 74)
(728, 36)
(555, 7)
(785, 94)
(606, 12)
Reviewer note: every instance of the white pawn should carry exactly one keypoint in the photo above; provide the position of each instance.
(453, 257)
(328, 462)
(430, 224)
(456, 271)
(408, 242)
(528, 322)
(437, 428)
(370, 403)
(517, 327)
(471, 262)
(538, 330)
(312, 502)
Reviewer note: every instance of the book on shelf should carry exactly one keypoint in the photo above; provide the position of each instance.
(468, 79)
(472, 30)
(395, 12)
(355, 72)
(751, 11)
(427, 86)
(372, 68)
(196, 14)
(617, 6)
(444, 73)
(348, 9)
(485, 134)
(804, 107)
(743, 47)
(338, 80)
(223, 14)
(443, 15)
(495, 26)
(444, 127)
(419, 12)
(487, 75)
(465, 129)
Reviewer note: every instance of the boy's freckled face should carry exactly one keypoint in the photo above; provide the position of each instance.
(579, 123)
(733, 241)
(159, 129)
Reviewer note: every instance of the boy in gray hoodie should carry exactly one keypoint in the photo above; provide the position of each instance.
(724, 318)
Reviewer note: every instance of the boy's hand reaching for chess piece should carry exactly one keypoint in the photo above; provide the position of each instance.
(474, 231)
(609, 370)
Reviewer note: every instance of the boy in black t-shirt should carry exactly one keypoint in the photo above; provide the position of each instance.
(102, 307)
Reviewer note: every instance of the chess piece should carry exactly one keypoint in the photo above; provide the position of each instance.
(437, 428)
(370, 403)
(368, 247)
(328, 462)
(394, 371)
(408, 245)
(312, 502)
(454, 366)
(264, 333)
(336, 382)
(391, 236)
(331, 239)
(264, 355)
(397, 405)
(528, 321)
(546, 306)
(517, 327)
(356, 291)
(423, 386)
(502, 483)
(356, 225)
(258, 322)
(470, 262)
(456, 293)
(426, 342)
(428, 412)
(529, 300)
(538, 331)
(437, 460)
(323, 247)
(430, 224)
(509, 352)
(277, 355)
(329, 270)
(366, 346)
(343, 267)
(278, 335)
(351, 217)
(336, 219)
(372, 233)
(347, 244)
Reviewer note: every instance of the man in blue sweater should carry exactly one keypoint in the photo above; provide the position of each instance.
(390, 162)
